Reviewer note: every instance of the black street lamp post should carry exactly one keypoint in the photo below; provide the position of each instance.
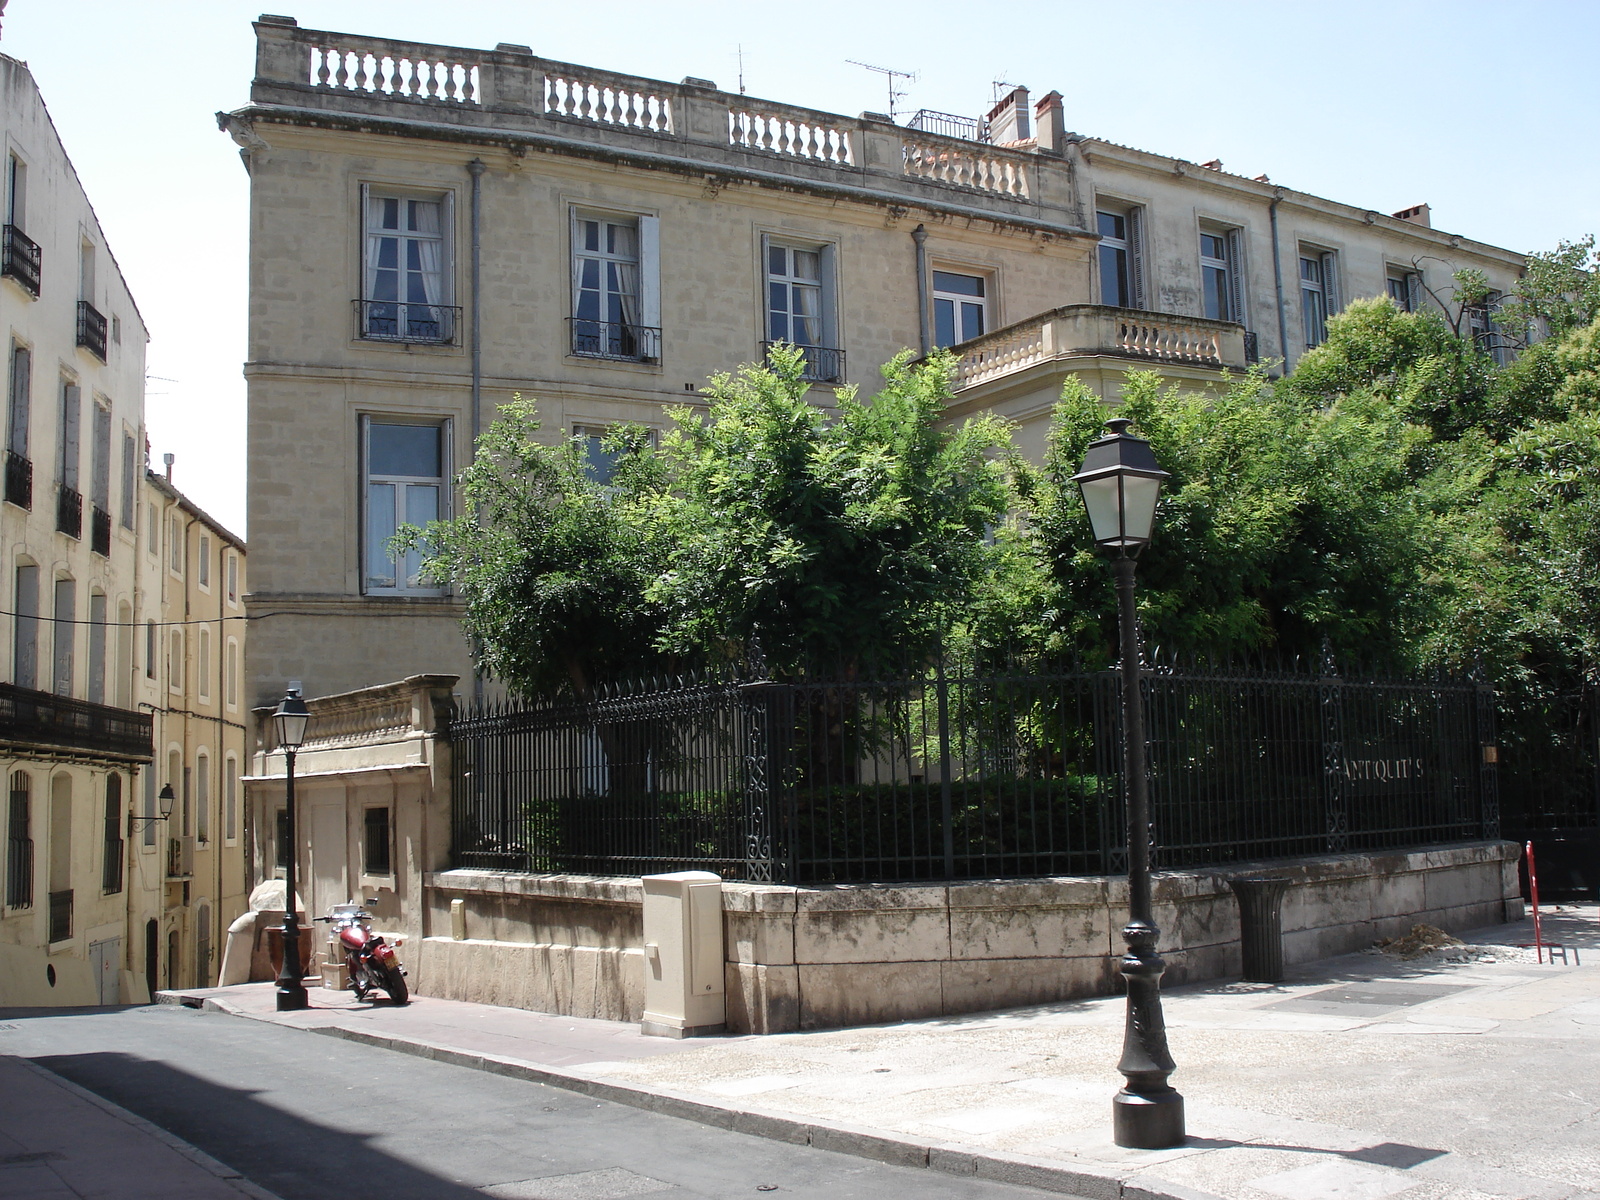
(1121, 482)
(290, 720)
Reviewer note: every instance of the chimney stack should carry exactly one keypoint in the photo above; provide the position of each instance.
(169, 459)
(1050, 124)
(1008, 120)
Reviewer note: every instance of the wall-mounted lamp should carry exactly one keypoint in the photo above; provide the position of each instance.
(165, 799)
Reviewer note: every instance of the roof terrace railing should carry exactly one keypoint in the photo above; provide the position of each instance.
(511, 81)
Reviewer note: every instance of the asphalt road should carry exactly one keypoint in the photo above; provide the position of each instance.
(310, 1117)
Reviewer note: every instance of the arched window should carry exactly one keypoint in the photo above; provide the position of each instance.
(230, 799)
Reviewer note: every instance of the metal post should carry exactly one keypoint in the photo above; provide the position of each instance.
(942, 686)
(1147, 1114)
(291, 976)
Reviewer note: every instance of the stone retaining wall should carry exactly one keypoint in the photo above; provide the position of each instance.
(821, 957)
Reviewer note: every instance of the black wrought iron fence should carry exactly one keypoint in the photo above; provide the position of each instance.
(1550, 787)
(961, 773)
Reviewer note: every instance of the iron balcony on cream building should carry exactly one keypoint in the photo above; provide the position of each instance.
(434, 228)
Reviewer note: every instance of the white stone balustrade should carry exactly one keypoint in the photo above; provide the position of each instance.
(967, 164)
(379, 66)
(607, 99)
(793, 132)
(1080, 330)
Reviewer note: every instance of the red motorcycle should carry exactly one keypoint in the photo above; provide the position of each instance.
(370, 960)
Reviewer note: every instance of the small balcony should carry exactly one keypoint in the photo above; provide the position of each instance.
(100, 532)
(19, 480)
(616, 340)
(21, 259)
(61, 916)
(180, 858)
(69, 511)
(91, 330)
(42, 721)
(1155, 341)
(405, 323)
(823, 364)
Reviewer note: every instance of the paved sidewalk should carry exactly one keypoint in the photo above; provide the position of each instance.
(59, 1142)
(1359, 1078)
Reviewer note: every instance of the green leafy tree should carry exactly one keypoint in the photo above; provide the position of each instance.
(1284, 525)
(553, 567)
(826, 537)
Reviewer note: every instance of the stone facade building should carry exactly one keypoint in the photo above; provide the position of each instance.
(434, 228)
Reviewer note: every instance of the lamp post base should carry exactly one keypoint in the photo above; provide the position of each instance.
(292, 997)
(1147, 1122)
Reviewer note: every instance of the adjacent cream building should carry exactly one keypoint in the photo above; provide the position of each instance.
(124, 628)
(190, 678)
(434, 228)
(72, 744)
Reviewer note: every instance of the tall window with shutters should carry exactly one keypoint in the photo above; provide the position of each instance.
(130, 479)
(801, 306)
(1221, 274)
(63, 636)
(1121, 255)
(25, 631)
(406, 294)
(405, 485)
(69, 513)
(616, 305)
(19, 467)
(1319, 292)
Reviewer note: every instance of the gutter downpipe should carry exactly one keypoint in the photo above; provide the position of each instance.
(919, 235)
(476, 168)
(1277, 276)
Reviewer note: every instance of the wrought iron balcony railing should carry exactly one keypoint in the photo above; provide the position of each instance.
(1252, 347)
(45, 721)
(21, 259)
(100, 532)
(91, 330)
(615, 339)
(61, 915)
(823, 364)
(19, 480)
(69, 511)
(398, 321)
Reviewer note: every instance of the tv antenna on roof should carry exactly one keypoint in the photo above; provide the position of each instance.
(908, 76)
(1001, 86)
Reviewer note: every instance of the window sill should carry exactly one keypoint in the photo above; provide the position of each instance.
(651, 365)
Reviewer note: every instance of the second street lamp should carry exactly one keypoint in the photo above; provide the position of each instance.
(289, 721)
(1121, 482)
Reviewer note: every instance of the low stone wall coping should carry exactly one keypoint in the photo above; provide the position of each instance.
(587, 889)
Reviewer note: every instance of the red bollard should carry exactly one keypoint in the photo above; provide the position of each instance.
(1533, 890)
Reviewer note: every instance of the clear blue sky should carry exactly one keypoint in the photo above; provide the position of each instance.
(1487, 111)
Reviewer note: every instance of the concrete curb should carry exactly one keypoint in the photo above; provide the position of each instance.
(952, 1159)
(223, 1172)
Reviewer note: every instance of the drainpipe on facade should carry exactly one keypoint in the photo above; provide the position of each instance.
(1277, 276)
(476, 168)
(919, 235)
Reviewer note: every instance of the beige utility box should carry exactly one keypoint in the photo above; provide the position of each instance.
(683, 989)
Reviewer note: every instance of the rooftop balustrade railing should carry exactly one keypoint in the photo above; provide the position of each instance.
(940, 148)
